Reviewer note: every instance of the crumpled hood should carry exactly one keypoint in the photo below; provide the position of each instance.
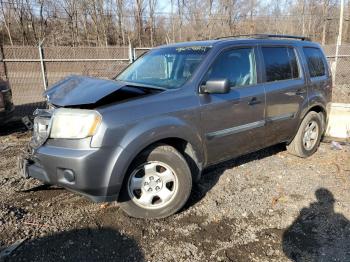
(81, 90)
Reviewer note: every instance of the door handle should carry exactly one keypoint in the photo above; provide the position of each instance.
(300, 91)
(254, 101)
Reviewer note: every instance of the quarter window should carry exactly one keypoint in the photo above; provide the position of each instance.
(236, 65)
(280, 63)
(315, 61)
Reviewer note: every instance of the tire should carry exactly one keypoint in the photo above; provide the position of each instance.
(158, 183)
(299, 145)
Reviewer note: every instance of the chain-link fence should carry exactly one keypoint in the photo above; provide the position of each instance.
(30, 70)
(341, 71)
(139, 51)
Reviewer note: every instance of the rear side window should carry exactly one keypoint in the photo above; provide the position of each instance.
(315, 61)
(280, 63)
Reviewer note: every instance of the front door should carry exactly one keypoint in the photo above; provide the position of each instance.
(233, 123)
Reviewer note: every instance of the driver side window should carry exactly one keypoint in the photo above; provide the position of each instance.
(236, 65)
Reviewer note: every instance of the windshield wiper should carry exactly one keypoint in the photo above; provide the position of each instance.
(145, 86)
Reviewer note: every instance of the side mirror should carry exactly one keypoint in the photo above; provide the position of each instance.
(217, 86)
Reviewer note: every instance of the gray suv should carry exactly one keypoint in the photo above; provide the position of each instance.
(144, 138)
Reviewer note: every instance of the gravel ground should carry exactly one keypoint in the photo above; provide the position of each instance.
(266, 206)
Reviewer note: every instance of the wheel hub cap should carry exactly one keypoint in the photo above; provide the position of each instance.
(310, 135)
(152, 185)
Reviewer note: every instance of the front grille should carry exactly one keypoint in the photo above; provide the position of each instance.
(41, 127)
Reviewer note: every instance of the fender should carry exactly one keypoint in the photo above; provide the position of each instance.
(313, 101)
(145, 134)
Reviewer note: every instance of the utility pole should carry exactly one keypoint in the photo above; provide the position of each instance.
(172, 20)
(303, 18)
(340, 37)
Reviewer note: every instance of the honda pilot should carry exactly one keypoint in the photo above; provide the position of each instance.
(144, 137)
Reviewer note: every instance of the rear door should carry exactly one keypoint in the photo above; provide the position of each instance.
(233, 123)
(286, 92)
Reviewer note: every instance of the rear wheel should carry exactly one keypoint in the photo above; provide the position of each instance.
(308, 137)
(157, 185)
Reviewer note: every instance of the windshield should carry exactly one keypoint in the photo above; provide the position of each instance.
(168, 68)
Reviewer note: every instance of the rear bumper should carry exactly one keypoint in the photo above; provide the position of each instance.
(84, 171)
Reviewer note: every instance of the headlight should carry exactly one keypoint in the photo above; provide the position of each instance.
(74, 123)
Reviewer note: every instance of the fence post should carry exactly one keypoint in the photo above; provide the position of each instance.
(134, 53)
(335, 63)
(339, 40)
(131, 55)
(42, 65)
(4, 63)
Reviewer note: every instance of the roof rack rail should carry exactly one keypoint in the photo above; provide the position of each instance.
(266, 36)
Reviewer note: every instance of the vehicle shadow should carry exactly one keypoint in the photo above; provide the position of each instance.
(87, 244)
(28, 109)
(318, 233)
(42, 187)
(212, 174)
(15, 124)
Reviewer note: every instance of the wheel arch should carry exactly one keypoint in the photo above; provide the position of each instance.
(317, 103)
(320, 109)
(173, 132)
(188, 151)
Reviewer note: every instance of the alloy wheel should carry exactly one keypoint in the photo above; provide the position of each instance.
(152, 185)
(311, 133)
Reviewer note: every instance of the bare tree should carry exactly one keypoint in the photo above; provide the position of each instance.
(325, 9)
(152, 9)
(142, 22)
(139, 11)
(120, 18)
(6, 16)
(71, 9)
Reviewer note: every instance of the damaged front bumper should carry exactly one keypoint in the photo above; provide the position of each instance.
(72, 164)
(84, 170)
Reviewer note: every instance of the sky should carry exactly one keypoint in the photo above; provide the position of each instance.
(164, 5)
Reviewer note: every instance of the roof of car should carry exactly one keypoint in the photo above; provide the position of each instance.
(243, 40)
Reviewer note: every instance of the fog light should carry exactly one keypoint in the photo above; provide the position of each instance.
(69, 175)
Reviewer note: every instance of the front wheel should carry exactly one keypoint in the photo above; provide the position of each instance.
(308, 137)
(157, 185)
